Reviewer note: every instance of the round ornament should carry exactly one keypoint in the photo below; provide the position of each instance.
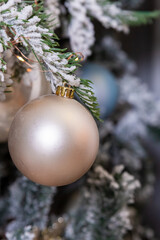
(53, 140)
(32, 85)
(104, 85)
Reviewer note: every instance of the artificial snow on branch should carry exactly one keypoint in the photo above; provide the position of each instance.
(81, 30)
(144, 112)
(32, 201)
(27, 30)
(23, 234)
(24, 24)
(102, 212)
(53, 10)
(109, 14)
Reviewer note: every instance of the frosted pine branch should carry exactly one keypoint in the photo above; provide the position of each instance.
(102, 212)
(81, 30)
(144, 112)
(9, 4)
(32, 201)
(5, 81)
(27, 27)
(28, 31)
(53, 10)
(109, 14)
(24, 234)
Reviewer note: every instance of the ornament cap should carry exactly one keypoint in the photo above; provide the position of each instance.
(65, 91)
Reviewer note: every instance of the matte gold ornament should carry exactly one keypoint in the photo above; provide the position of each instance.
(32, 85)
(53, 140)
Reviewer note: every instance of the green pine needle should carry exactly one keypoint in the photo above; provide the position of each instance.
(84, 92)
(86, 95)
(136, 18)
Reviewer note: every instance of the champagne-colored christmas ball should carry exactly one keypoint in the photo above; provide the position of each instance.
(32, 85)
(53, 140)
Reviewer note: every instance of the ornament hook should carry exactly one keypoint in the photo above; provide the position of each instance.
(65, 91)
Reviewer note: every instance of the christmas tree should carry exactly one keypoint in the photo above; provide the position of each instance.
(107, 202)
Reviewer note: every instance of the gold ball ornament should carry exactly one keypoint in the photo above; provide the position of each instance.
(53, 140)
(32, 85)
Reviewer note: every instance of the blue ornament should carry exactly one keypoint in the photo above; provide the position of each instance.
(104, 85)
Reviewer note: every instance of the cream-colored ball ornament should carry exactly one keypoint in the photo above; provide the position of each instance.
(32, 85)
(53, 140)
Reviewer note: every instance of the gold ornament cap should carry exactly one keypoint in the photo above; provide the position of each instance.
(65, 91)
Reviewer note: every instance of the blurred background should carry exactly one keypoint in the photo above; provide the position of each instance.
(142, 44)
